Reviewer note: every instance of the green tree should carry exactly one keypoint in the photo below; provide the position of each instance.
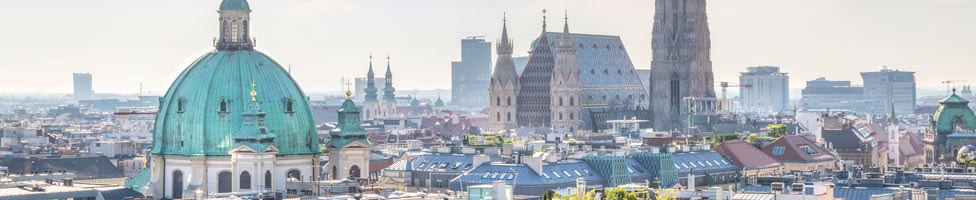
(776, 130)
(620, 193)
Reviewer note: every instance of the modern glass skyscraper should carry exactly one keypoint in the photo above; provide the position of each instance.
(83, 86)
(470, 76)
(886, 87)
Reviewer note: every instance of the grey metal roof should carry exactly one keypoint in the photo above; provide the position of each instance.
(439, 163)
(707, 161)
(522, 175)
(841, 192)
(608, 74)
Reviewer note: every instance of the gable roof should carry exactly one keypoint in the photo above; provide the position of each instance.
(89, 167)
(746, 155)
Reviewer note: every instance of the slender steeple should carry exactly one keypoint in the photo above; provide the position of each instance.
(543, 21)
(892, 117)
(370, 83)
(235, 16)
(388, 90)
(566, 50)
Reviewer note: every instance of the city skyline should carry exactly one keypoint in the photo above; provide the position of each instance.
(124, 45)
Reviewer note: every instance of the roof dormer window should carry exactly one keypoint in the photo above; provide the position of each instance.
(289, 106)
(223, 105)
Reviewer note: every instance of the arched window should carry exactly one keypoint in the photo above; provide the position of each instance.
(571, 116)
(233, 31)
(560, 116)
(295, 174)
(245, 180)
(560, 101)
(289, 106)
(246, 30)
(179, 105)
(223, 105)
(223, 27)
(675, 89)
(509, 101)
(335, 172)
(498, 101)
(224, 182)
(267, 179)
(354, 172)
(498, 116)
(571, 102)
(177, 185)
(508, 116)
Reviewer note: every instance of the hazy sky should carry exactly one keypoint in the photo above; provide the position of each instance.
(127, 42)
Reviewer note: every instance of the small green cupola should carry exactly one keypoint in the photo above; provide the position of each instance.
(439, 103)
(348, 130)
(234, 5)
(253, 134)
(414, 102)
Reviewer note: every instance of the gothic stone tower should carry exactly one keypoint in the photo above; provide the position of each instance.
(504, 86)
(566, 85)
(681, 66)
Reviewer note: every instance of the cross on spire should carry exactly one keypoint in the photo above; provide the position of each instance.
(348, 90)
(543, 20)
(254, 94)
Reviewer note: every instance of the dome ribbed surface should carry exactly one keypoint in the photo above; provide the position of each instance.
(201, 129)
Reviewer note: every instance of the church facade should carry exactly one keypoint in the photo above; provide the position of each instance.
(572, 82)
(234, 121)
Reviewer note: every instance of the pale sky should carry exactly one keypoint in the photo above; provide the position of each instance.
(127, 42)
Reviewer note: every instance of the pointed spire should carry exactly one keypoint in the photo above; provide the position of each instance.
(543, 20)
(504, 27)
(566, 41)
(370, 82)
(892, 117)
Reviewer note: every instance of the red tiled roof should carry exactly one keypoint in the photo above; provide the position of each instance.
(746, 155)
(794, 153)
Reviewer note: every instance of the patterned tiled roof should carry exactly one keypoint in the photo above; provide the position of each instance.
(793, 148)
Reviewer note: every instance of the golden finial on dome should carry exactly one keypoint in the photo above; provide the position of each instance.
(254, 94)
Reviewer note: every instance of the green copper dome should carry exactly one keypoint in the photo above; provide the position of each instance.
(202, 110)
(953, 111)
(234, 5)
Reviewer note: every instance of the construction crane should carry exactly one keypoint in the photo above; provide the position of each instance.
(949, 83)
(723, 105)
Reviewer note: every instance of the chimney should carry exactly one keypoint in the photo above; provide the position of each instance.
(479, 159)
(534, 163)
(691, 181)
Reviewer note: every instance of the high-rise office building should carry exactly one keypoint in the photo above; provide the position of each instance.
(886, 87)
(765, 90)
(470, 76)
(823, 94)
(681, 65)
(83, 86)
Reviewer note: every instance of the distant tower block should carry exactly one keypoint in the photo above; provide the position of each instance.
(681, 65)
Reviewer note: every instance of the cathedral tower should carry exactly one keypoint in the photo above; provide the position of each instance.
(681, 65)
(504, 86)
(566, 85)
